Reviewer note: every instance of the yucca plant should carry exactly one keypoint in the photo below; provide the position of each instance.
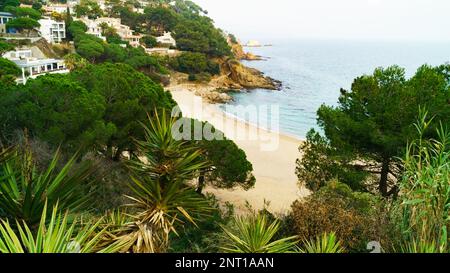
(164, 156)
(162, 198)
(56, 236)
(24, 190)
(255, 234)
(325, 243)
(425, 191)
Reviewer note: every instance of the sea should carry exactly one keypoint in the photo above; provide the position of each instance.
(313, 72)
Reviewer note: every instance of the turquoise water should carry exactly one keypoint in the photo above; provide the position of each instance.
(313, 72)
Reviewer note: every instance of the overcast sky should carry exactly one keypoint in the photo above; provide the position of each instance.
(423, 20)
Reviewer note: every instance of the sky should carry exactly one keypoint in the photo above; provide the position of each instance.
(410, 20)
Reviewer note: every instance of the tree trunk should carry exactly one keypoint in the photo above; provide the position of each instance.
(384, 176)
(201, 182)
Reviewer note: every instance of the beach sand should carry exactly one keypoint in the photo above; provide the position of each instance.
(273, 156)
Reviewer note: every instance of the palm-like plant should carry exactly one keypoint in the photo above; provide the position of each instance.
(165, 157)
(326, 243)
(24, 191)
(55, 237)
(162, 198)
(256, 235)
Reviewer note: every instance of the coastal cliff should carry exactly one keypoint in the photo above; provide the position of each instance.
(235, 75)
(240, 54)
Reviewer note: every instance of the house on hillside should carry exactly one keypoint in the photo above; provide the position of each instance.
(51, 30)
(22, 5)
(58, 8)
(125, 32)
(5, 17)
(92, 27)
(33, 64)
(166, 39)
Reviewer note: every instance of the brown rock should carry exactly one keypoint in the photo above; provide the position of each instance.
(239, 75)
(240, 54)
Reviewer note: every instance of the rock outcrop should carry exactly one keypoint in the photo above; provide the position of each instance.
(214, 96)
(235, 75)
(240, 54)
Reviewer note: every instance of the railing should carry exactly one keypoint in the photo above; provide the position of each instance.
(19, 35)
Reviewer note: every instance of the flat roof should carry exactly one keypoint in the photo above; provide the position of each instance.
(29, 63)
(3, 13)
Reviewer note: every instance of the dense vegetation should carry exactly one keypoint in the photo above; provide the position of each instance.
(91, 157)
(366, 135)
(381, 170)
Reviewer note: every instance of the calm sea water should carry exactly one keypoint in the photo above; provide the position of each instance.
(313, 72)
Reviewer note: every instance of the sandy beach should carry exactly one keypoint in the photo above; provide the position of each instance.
(273, 156)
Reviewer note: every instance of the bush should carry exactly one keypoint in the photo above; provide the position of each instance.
(149, 41)
(208, 236)
(200, 77)
(192, 77)
(76, 28)
(194, 63)
(336, 208)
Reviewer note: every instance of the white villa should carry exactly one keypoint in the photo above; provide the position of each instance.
(166, 39)
(92, 27)
(51, 30)
(33, 67)
(60, 8)
(123, 31)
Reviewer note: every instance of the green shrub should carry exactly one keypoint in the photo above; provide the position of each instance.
(149, 41)
(192, 77)
(203, 77)
(194, 63)
(208, 236)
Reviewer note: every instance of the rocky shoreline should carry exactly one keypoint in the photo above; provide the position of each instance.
(233, 77)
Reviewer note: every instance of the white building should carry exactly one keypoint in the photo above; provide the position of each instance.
(166, 39)
(92, 27)
(125, 33)
(51, 30)
(58, 8)
(33, 67)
